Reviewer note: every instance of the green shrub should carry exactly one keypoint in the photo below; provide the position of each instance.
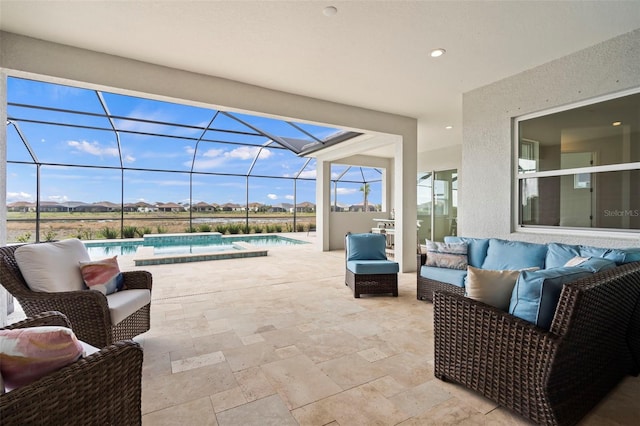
(300, 227)
(258, 229)
(204, 227)
(84, 234)
(160, 230)
(222, 228)
(145, 230)
(234, 228)
(50, 235)
(108, 233)
(24, 238)
(129, 231)
(190, 229)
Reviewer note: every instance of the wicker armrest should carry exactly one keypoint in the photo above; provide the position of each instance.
(489, 350)
(104, 388)
(422, 259)
(51, 318)
(138, 279)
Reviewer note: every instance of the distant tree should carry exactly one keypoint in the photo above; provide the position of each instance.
(366, 190)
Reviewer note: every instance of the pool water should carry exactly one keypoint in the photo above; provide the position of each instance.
(176, 244)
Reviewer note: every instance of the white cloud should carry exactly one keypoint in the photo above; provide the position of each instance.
(289, 197)
(214, 153)
(215, 157)
(308, 174)
(129, 159)
(19, 196)
(248, 153)
(272, 196)
(346, 191)
(93, 148)
(58, 198)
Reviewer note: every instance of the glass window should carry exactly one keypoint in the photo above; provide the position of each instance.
(578, 168)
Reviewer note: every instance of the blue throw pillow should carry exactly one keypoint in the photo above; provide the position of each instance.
(514, 255)
(559, 254)
(616, 255)
(536, 293)
(476, 248)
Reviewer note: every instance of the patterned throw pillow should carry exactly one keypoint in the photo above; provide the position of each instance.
(447, 255)
(26, 354)
(102, 275)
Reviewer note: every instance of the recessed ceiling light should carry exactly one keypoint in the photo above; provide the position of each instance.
(330, 10)
(449, 127)
(616, 123)
(435, 53)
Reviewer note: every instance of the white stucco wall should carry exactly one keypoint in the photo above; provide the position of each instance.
(440, 159)
(486, 186)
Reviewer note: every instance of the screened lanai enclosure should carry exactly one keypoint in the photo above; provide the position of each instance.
(92, 164)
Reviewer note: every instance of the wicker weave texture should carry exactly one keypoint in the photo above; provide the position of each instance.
(87, 311)
(101, 389)
(551, 377)
(427, 287)
(372, 283)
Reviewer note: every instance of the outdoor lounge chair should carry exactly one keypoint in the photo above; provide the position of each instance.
(87, 310)
(103, 388)
(368, 271)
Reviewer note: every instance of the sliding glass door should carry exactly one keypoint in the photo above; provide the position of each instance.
(437, 205)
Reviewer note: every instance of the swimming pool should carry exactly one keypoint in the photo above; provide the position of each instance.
(179, 248)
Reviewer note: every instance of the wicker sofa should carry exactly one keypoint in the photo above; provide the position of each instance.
(493, 253)
(103, 388)
(551, 377)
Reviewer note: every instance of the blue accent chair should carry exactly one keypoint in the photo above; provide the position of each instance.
(368, 271)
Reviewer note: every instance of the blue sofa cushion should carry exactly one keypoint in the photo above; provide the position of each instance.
(476, 248)
(447, 255)
(597, 264)
(450, 276)
(366, 247)
(536, 293)
(373, 267)
(616, 255)
(514, 255)
(631, 254)
(559, 254)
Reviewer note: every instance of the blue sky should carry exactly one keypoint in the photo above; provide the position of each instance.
(66, 147)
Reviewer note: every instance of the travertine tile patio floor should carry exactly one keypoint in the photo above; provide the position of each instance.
(280, 340)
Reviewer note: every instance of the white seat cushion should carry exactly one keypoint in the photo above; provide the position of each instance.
(124, 303)
(53, 267)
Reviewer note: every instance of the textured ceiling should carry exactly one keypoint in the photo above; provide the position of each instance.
(372, 54)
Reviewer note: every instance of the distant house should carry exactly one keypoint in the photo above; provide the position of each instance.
(130, 208)
(282, 208)
(305, 207)
(232, 207)
(255, 207)
(203, 207)
(360, 207)
(143, 207)
(21, 207)
(170, 207)
(339, 207)
(50, 206)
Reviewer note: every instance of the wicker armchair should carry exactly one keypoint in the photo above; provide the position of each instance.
(103, 388)
(87, 311)
(551, 377)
